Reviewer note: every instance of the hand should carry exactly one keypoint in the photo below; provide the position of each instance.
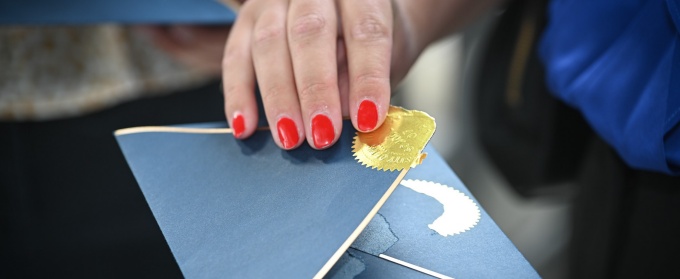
(197, 46)
(315, 62)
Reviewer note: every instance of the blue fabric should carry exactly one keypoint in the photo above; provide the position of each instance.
(618, 62)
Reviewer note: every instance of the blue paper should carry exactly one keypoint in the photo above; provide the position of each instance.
(206, 199)
(400, 230)
(70, 12)
(247, 209)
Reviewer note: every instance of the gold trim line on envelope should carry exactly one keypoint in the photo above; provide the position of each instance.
(398, 143)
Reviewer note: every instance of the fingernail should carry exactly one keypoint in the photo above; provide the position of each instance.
(367, 117)
(322, 131)
(239, 125)
(288, 133)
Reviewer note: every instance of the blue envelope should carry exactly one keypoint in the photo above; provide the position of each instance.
(401, 236)
(246, 209)
(69, 12)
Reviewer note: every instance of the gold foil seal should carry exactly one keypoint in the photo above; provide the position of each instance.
(398, 143)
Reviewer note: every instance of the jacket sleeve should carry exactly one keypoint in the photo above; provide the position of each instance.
(618, 62)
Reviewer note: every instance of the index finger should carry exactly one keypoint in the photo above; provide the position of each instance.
(367, 27)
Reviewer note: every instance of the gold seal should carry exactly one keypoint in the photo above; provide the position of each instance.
(398, 143)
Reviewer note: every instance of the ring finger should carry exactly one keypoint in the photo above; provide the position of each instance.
(276, 81)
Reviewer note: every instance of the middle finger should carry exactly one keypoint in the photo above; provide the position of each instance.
(312, 35)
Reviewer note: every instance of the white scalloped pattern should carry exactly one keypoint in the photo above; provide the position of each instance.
(461, 213)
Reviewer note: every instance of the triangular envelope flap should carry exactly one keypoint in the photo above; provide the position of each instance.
(481, 250)
(249, 209)
(402, 240)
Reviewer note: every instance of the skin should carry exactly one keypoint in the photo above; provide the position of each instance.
(319, 57)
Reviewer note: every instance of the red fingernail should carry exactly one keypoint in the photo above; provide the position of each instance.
(288, 133)
(322, 131)
(367, 117)
(238, 125)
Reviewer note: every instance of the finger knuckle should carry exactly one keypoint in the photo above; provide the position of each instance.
(372, 78)
(274, 94)
(369, 83)
(369, 29)
(231, 90)
(316, 90)
(264, 36)
(230, 55)
(312, 24)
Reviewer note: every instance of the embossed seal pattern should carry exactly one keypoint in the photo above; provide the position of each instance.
(398, 143)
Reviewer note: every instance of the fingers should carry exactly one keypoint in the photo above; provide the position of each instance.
(238, 79)
(367, 27)
(309, 76)
(276, 81)
(312, 34)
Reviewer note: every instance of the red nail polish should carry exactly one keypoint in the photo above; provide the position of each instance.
(238, 125)
(367, 117)
(288, 133)
(322, 131)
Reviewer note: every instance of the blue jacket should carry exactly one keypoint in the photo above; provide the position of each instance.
(618, 62)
